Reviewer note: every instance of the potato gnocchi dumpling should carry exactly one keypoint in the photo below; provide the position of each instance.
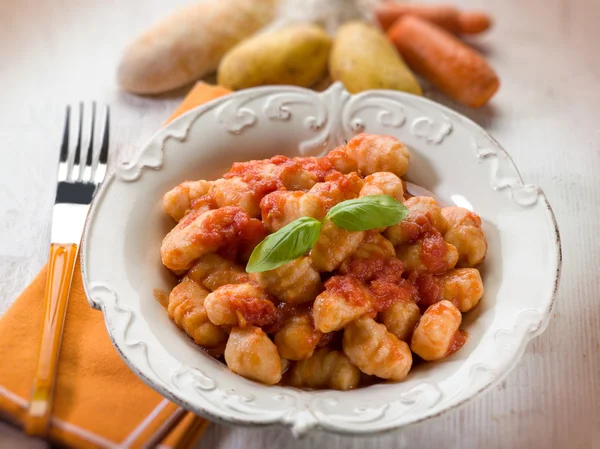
(431, 254)
(401, 318)
(375, 351)
(186, 308)
(337, 188)
(235, 192)
(383, 183)
(295, 177)
(240, 305)
(334, 245)
(325, 369)
(373, 244)
(341, 162)
(344, 300)
(378, 154)
(423, 215)
(298, 338)
(282, 207)
(463, 287)
(464, 232)
(178, 201)
(425, 205)
(352, 309)
(437, 331)
(214, 271)
(295, 282)
(251, 353)
(198, 234)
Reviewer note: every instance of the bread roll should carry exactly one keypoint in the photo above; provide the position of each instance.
(190, 43)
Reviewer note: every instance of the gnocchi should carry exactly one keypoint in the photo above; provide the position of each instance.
(214, 271)
(357, 304)
(325, 369)
(236, 192)
(344, 300)
(378, 154)
(337, 188)
(295, 282)
(187, 195)
(375, 351)
(401, 318)
(341, 161)
(298, 338)
(464, 232)
(423, 214)
(333, 246)
(198, 234)
(383, 183)
(463, 287)
(239, 305)
(186, 309)
(436, 332)
(373, 244)
(282, 207)
(431, 254)
(251, 353)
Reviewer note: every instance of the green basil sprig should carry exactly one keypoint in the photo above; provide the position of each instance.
(298, 237)
(289, 243)
(368, 212)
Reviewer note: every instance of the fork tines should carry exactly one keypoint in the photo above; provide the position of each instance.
(85, 136)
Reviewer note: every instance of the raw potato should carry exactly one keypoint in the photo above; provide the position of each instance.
(296, 55)
(362, 59)
(190, 43)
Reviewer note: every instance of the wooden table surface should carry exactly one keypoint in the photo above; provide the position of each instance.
(546, 114)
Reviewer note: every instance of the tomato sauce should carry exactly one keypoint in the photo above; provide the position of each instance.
(460, 338)
(381, 268)
(283, 312)
(262, 177)
(162, 296)
(255, 311)
(434, 251)
(351, 289)
(229, 228)
(205, 201)
(320, 167)
(386, 294)
(428, 287)
(349, 185)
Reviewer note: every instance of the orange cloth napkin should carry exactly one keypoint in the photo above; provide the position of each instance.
(99, 402)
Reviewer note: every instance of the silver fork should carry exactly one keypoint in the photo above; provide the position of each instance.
(78, 181)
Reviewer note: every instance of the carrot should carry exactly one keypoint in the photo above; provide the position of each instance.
(443, 60)
(447, 17)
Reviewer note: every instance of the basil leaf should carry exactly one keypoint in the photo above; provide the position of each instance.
(368, 212)
(285, 245)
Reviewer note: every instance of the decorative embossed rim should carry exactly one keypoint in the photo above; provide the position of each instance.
(234, 114)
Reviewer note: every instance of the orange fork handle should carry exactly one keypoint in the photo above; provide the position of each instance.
(58, 285)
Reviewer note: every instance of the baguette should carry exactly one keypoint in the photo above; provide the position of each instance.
(190, 43)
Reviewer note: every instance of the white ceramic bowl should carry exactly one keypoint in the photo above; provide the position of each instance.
(451, 156)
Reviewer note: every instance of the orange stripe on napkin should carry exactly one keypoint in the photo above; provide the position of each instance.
(99, 402)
